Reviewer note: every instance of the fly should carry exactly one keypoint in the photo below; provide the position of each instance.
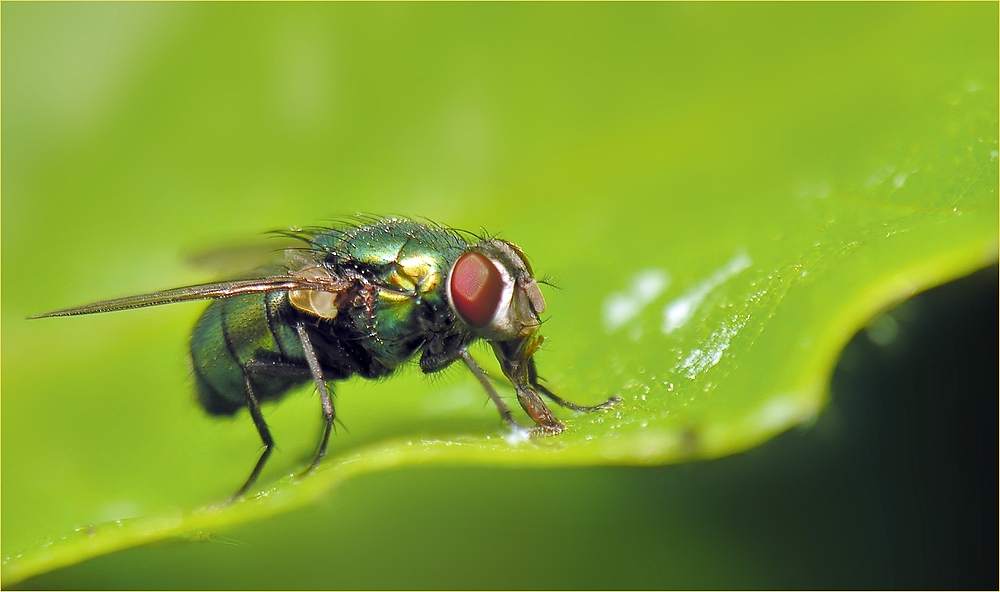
(361, 300)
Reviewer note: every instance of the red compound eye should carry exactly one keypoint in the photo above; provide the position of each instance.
(476, 286)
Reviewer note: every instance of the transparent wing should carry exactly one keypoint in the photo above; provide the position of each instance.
(248, 259)
(207, 292)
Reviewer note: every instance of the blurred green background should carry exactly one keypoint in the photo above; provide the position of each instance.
(604, 139)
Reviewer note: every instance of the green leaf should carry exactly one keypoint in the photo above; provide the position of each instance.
(724, 194)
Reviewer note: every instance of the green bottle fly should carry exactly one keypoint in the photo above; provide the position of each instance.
(361, 300)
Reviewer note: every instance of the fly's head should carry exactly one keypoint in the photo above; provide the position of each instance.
(492, 290)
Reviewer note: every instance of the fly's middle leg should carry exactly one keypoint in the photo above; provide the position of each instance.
(324, 394)
(485, 381)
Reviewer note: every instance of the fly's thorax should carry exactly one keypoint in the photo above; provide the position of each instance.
(396, 242)
(410, 303)
(491, 287)
(407, 261)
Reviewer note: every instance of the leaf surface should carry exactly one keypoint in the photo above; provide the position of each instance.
(724, 194)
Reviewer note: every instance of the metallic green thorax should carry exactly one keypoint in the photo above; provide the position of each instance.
(406, 257)
(395, 305)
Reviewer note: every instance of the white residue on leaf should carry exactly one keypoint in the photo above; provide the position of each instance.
(710, 352)
(680, 310)
(516, 436)
(622, 307)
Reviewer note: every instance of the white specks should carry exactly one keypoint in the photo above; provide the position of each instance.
(710, 352)
(972, 86)
(993, 155)
(804, 273)
(622, 307)
(517, 436)
(898, 180)
(679, 311)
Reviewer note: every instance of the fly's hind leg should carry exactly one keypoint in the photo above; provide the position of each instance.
(324, 394)
(265, 435)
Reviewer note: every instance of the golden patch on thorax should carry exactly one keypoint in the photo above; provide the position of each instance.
(417, 275)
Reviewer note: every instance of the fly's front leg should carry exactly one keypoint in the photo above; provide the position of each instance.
(518, 365)
(324, 393)
(533, 381)
(546, 424)
(518, 370)
(583, 408)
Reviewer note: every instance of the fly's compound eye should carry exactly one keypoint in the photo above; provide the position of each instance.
(476, 287)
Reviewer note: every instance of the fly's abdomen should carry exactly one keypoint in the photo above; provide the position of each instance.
(243, 335)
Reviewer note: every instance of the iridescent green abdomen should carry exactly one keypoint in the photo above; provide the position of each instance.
(240, 332)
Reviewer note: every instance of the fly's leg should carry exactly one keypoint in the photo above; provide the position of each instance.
(546, 424)
(265, 436)
(584, 408)
(518, 365)
(533, 380)
(324, 393)
(485, 381)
